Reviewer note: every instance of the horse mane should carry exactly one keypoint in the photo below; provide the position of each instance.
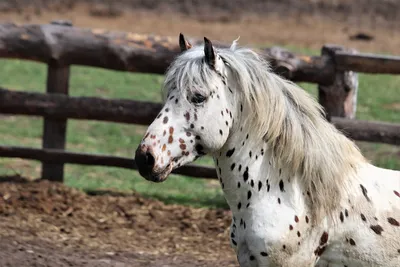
(287, 118)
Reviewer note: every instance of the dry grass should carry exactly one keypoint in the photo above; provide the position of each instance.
(305, 30)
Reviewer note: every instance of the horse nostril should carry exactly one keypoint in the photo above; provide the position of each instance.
(145, 162)
(150, 159)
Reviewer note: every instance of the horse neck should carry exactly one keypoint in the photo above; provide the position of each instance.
(250, 175)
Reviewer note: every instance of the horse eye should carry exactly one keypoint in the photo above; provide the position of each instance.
(197, 98)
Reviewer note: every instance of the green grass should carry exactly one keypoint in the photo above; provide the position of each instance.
(379, 99)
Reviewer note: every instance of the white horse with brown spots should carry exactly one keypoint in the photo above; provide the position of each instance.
(300, 192)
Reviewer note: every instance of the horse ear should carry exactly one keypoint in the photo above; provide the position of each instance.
(183, 44)
(209, 52)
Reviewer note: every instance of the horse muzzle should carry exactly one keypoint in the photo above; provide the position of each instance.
(146, 164)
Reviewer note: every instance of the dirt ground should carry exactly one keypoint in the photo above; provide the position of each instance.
(44, 224)
(49, 224)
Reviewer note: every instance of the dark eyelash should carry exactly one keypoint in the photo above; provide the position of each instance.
(197, 98)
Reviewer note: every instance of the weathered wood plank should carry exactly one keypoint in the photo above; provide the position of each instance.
(129, 111)
(339, 99)
(370, 131)
(132, 52)
(55, 129)
(55, 156)
(300, 68)
(85, 108)
(368, 63)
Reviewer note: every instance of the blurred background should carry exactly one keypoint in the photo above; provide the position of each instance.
(301, 23)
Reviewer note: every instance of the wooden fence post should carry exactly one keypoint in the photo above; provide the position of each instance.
(339, 99)
(55, 130)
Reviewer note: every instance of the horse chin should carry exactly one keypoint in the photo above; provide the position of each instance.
(160, 175)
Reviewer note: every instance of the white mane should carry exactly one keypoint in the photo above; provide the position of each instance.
(284, 116)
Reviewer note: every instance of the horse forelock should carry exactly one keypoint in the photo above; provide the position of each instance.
(188, 73)
(284, 116)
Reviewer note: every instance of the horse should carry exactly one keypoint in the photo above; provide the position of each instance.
(301, 193)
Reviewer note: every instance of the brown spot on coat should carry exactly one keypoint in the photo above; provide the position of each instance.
(377, 229)
(324, 239)
(365, 192)
(164, 147)
(182, 146)
(171, 130)
(393, 221)
(319, 251)
(170, 139)
(187, 116)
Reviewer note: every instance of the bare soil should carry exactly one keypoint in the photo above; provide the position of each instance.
(49, 224)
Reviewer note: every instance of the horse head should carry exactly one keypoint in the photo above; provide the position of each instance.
(197, 114)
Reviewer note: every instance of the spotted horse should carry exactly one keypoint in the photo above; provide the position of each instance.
(300, 192)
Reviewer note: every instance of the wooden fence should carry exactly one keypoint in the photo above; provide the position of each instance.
(60, 45)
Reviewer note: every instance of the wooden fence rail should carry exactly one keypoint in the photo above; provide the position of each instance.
(86, 108)
(368, 63)
(57, 156)
(68, 45)
(57, 106)
(152, 54)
